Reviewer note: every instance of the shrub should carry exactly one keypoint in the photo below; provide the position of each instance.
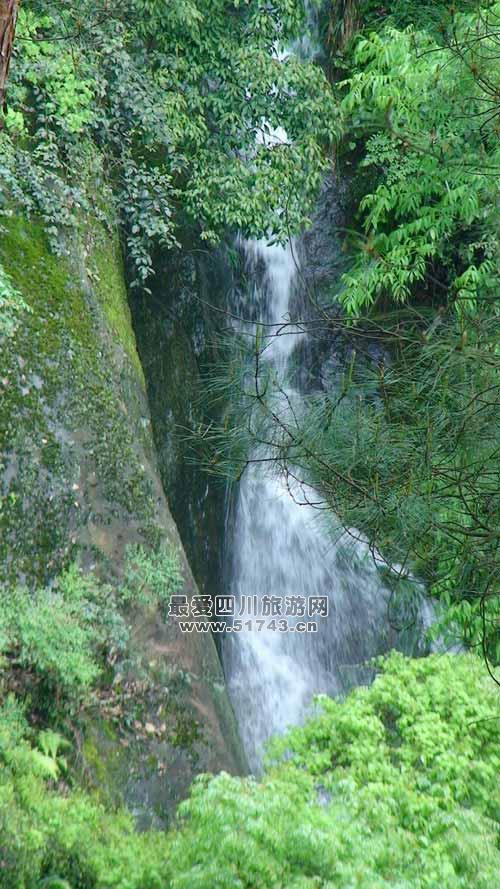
(57, 640)
(393, 787)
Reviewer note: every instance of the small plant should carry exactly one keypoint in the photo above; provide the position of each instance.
(12, 305)
(50, 639)
(47, 758)
(57, 640)
(151, 577)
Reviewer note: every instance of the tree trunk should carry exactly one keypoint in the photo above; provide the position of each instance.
(8, 18)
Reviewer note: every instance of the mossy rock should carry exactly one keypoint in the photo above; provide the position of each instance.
(79, 481)
(72, 463)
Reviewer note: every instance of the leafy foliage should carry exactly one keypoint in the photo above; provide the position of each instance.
(57, 838)
(166, 111)
(54, 642)
(384, 789)
(395, 786)
(151, 578)
(426, 117)
(12, 306)
(435, 17)
(52, 635)
(409, 453)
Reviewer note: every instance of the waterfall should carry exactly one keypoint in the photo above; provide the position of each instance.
(280, 548)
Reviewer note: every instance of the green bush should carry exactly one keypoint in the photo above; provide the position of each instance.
(60, 638)
(156, 107)
(416, 110)
(52, 634)
(57, 838)
(393, 787)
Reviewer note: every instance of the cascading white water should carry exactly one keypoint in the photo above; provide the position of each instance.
(279, 548)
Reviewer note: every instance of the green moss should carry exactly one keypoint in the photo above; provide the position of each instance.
(64, 411)
(104, 762)
(110, 288)
(94, 760)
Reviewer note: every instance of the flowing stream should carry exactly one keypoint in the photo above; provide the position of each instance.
(280, 548)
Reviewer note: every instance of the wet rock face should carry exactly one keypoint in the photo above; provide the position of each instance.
(72, 468)
(177, 328)
(321, 261)
(79, 481)
(321, 257)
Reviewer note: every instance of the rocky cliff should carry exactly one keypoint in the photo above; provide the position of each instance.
(80, 482)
